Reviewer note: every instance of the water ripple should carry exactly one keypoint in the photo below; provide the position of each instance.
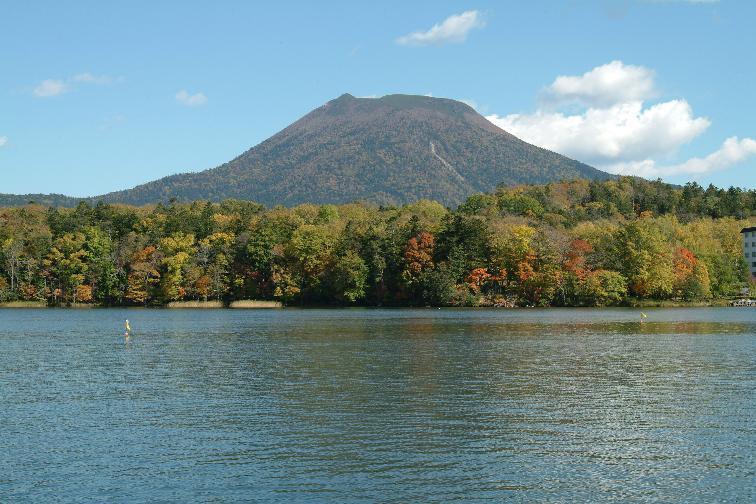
(378, 406)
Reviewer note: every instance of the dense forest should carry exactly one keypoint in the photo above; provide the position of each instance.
(579, 243)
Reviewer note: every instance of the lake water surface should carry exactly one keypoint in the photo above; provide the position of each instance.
(378, 405)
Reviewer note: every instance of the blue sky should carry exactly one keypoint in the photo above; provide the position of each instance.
(96, 97)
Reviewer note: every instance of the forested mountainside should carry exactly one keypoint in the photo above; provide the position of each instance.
(56, 200)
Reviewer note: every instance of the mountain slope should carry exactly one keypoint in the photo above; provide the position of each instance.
(390, 150)
(53, 200)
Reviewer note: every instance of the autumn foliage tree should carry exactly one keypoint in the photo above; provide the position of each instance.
(418, 256)
(691, 276)
(143, 275)
(575, 243)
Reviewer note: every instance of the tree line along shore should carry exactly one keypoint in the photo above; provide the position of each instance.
(620, 242)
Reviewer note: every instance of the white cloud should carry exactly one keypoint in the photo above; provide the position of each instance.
(622, 132)
(615, 130)
(732, 152)
(190, 100)
(50, 87)
(3, 140)
(88, 78)
(453, 29)
(55, 87)
(605, 85)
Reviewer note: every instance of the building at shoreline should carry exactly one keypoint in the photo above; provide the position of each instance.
(749, 248)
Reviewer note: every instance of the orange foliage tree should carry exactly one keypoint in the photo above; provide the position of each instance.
(143, 276)
(418, 256)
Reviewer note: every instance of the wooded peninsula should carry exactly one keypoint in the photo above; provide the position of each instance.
(578, 243)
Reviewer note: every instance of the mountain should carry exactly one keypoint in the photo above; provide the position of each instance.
(389, 150)
(54, 200)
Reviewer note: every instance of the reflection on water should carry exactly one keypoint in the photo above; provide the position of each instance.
(378, 405)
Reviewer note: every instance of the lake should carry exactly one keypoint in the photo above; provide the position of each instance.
(421, 405)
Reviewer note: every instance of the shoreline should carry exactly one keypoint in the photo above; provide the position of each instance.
(277, 305)
(247, 304)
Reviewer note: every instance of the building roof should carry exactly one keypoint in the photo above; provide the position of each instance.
(745, 230)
